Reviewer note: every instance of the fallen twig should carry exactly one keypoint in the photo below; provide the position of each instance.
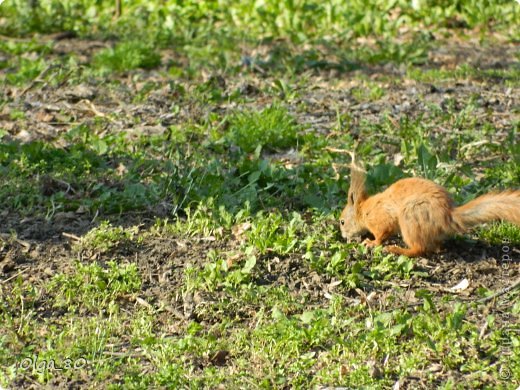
(15, 275)
(336, 150)
(505, 290)
(38, 79)
(70, 235)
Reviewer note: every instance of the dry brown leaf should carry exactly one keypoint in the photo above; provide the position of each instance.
(239, 230)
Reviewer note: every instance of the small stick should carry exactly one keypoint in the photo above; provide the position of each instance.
(14, 39)
(343, 151)
(336, 150)
(119, 9)
(501, 292)
(93, 108)
(37, 79)
(15, 275)
(70, 235)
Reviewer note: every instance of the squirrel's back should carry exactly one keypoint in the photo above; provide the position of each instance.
(415, 191)
(428, 209)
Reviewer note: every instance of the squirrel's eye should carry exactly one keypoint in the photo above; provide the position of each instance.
(342, 222)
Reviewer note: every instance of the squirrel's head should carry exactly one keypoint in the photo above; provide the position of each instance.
(351, 223)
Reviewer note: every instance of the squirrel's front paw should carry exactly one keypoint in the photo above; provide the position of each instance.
(370, 243)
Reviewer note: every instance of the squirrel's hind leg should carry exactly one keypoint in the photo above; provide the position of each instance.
(410, 252)
(422, 227)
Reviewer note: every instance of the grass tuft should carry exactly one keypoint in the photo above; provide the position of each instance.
(272, 128)
(127, 56)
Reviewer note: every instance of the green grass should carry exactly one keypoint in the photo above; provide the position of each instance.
(127, 56)
(207, 36)
(508, 76)
(504, 233)
(95, 286)
(178, 227)
(272, 128)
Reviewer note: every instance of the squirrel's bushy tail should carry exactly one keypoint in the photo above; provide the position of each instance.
(501, 206)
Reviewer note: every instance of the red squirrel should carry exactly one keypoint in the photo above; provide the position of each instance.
(420, 210)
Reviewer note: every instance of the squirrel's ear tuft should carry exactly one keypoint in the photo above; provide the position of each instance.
(357, 177)
(357, 190)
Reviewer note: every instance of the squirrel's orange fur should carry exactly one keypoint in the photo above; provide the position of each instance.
(422, 211)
